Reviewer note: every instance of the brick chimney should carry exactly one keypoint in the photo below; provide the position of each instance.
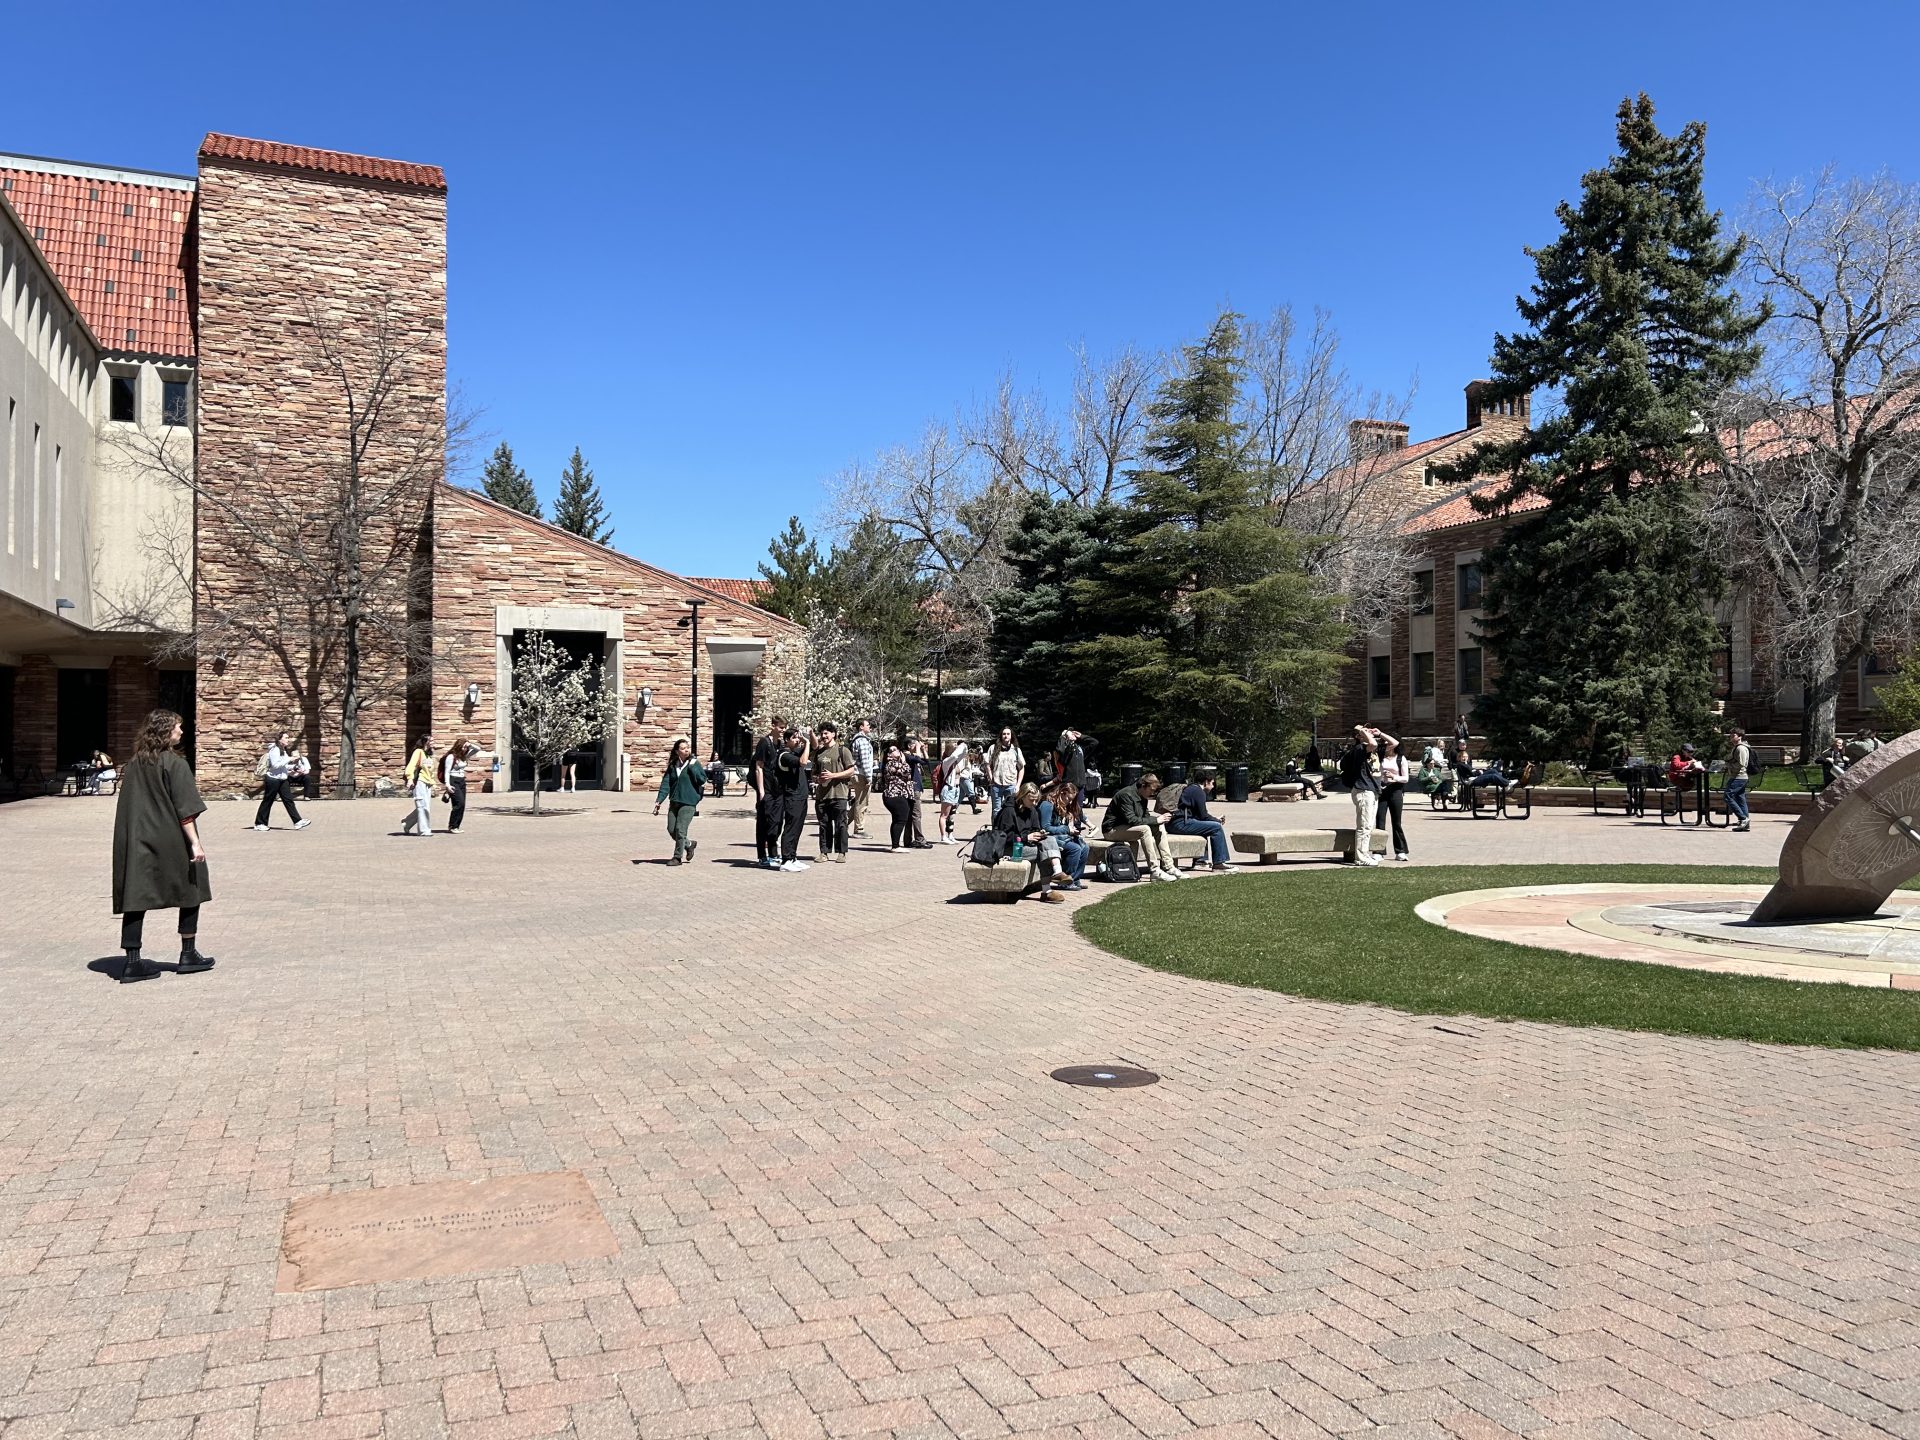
(1482, 408)
(1375, 437)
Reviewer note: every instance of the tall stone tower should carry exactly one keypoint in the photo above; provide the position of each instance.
(320, 288)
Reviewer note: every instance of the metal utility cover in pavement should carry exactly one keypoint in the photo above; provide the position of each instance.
(1106, 1077)
(453, 1227)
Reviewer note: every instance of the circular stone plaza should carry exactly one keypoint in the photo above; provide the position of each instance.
(522, 1132)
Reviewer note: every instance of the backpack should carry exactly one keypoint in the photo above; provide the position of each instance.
(989, 847)
(260, 770)
(1122, 868)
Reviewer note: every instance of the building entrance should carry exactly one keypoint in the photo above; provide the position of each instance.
(80, 725)
(589, 764)
(732, 703)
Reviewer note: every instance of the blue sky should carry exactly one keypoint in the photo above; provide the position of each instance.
(728, 250)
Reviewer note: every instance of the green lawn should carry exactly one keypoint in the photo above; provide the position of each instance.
(1351, 935)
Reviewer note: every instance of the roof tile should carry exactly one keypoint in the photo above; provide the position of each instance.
(325, 162)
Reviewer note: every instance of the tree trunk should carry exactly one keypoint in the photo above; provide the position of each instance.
(1823, 698)
(537, 768)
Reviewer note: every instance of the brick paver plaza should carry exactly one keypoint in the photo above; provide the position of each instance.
(848, 1200)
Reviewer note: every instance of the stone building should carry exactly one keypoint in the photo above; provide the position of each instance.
(186, 364)
(1416, 677)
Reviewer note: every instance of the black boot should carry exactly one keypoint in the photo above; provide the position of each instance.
(690, 845)
(192, 962)
(137, 969)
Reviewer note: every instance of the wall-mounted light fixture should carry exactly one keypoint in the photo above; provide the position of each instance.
(473, 694)
(646, 702)
(60, 605)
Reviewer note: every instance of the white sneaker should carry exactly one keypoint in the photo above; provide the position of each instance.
(260, 827)
(1403, 857)
(1153, 877)
(301, 824)
(794, 867)
(893, 849)
(1169, 874)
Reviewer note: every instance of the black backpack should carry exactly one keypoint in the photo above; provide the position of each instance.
(1122, 868)
(989, 847)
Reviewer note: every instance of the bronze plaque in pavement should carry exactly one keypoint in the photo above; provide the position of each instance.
(447, 1227)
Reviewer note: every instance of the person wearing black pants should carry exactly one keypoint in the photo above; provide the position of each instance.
(762, 777)
(275, 770)
(788, 811)
(1393, 794)
(453, 775)
(158, 862)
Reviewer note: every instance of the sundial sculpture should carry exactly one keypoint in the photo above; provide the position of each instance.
(1858, 843)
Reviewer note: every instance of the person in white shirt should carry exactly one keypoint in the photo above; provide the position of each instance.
(864, 767)
(453, 779)
(273, 770)
(1393, 793)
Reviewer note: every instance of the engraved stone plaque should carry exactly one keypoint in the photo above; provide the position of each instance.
(451, 1227)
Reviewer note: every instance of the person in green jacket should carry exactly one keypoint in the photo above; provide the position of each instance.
(157, 860)
(680, 791)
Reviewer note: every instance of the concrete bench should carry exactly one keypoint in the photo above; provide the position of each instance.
(1267, 844)
(1179, 847)
(1008, 880)
(1286, 790)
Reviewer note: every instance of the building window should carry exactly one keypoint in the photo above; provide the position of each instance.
(1467, 587)
(1423, 592)
(173, 402)
(1470, 671)
(1423, 675)
(122, 393)
(1380, 677)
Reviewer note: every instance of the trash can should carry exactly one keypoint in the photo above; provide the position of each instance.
(1176, 773)
(1237, 785)
(1129, 774)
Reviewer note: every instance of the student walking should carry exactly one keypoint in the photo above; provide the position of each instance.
(1360, 769)
(275, 770)
(158, 862)
(834, 771)
(1739, 768)
(453, 780)
(681, 787)
(767, 803)
(896, 793)
(419, 777)
(1006, 768)
(946, 782)
(1394, 777)
(865, 764)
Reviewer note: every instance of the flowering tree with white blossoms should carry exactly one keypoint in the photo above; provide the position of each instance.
(558, 705)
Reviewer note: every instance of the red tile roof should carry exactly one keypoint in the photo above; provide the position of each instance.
(117, 240)
(747, 592)
(1457, 508)
(324, 162)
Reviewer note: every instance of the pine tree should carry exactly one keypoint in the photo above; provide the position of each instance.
(1221, 644)
(579, 507)
(1598, 604)
(506, 482)
(794, 574)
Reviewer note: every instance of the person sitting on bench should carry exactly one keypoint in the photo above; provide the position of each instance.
(1130, 817)
(1305, 778)
(1019, 818)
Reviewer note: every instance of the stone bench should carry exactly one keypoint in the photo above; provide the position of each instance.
(1179, 847)
(1267, 844)
(1008, 880)
(1286, 790)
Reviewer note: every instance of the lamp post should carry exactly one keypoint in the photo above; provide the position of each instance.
(939, 718)
(693, 678)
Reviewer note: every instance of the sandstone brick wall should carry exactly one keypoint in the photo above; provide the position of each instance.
(271, 242)
(133, 690)
(35, 695)
(487, 556)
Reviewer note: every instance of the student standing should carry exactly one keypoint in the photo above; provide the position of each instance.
(946, 781)
(275, 767)
(1360, 769)
(681, 787)
(896, 793)
(865, 764)
(917, 762)
(419, 777)
(834, 771)
(1739, 767)
(158, 863)
(789, 780)
(1006, 768)
(1394, 776)
(766, 800)
(453, 779)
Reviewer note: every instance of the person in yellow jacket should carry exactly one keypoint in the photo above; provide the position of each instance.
(419, 778)
(681, 787)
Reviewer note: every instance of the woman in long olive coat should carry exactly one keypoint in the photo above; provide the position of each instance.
(157, 860)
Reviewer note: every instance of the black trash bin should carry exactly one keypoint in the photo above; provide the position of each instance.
(1129, 774)
(1176, 773)
(1236, 785)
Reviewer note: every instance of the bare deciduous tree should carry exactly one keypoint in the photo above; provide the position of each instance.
(322, 559)
(1817, 497)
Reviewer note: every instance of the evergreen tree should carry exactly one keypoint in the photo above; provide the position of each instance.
(1056, 545)
(872, 586)
(794, 574)
(1221, 644)
(579, 507)
(1597, 604)
(506, 482)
